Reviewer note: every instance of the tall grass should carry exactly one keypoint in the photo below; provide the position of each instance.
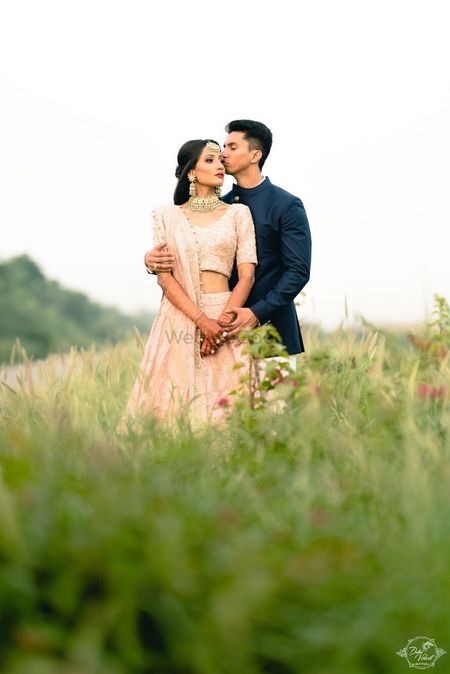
(312, 539)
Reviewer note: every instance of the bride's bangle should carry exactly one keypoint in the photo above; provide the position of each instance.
(196, 319)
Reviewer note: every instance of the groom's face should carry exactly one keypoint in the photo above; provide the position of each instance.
(236, 153)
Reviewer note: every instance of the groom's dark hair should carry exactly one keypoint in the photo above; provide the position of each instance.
(258, 135)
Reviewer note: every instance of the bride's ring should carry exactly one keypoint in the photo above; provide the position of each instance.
(217, 341)
(224, 333)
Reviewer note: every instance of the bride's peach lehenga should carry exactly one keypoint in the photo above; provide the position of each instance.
(173, 378)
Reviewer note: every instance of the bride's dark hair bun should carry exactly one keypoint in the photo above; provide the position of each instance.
(178, 172)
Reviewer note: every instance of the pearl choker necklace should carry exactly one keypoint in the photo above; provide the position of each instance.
(203, 204)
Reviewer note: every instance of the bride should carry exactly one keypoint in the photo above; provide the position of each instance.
(187, 367)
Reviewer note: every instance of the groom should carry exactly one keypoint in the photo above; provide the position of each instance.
(283, 238)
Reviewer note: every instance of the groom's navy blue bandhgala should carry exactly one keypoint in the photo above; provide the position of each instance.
(283, 242)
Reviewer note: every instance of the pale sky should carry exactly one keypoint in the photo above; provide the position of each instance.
(97, 97)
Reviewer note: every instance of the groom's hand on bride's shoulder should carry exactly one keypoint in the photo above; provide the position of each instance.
(160, 258)
(244, 319)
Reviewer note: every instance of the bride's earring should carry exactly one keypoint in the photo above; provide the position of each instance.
(192, 187)
(218, 190)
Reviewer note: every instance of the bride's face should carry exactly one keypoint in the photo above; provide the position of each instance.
(209, 169)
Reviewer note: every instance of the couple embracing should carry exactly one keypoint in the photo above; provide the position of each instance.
(225, 264)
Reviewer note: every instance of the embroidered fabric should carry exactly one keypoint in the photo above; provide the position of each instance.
(173, 379)
(232, 235)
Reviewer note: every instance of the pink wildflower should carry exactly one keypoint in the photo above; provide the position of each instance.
(438, 392)
(422, 390)
(435, 392)
(223, 402)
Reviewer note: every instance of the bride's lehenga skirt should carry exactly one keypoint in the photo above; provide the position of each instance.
(175, 381)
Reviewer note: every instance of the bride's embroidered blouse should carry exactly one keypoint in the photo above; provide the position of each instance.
(232, 235)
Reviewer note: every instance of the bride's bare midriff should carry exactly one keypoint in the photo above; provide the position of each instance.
(213, 282)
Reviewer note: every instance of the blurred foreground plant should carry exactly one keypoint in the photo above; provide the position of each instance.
(308, 535)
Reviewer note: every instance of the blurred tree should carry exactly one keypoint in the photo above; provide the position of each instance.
(48, 318)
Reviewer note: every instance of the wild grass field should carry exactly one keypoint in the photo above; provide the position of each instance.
(307, 536)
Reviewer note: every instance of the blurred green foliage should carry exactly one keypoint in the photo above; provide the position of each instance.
(307, 534)
(47, 318)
